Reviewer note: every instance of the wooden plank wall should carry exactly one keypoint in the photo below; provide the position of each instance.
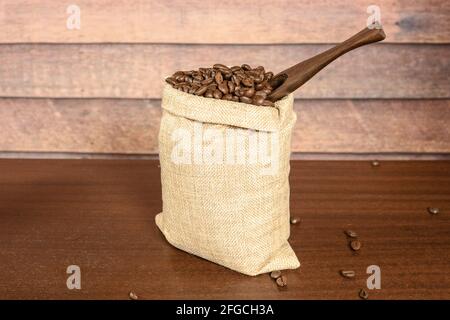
(97, 89)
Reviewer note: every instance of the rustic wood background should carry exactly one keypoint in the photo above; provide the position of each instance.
(97, 90)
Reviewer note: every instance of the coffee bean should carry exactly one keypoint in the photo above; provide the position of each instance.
(245, 99)
(275, 274)
(219, 78)
(171, 81)
(235, 68)
(355, 245)
(363, 294)
(220, 66)
(258, 100)
(246, 67)
(282, 281)
(268, 76)
(249, 92)
(133, 296)
(294, 220)
(217, 94)
(261, 93)
(236, 80)
(200, 91)
(351, 234)
(231, 86)
(208, 81)
(209, 94)
(223, 87)
(235, 99)
(248, 82)
(227, 97)
(268, 103)
(348, 273)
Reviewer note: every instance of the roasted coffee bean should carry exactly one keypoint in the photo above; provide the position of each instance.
(363, 294)
(347, 273)
(217, 94)
(223, 87)
(133, 296)
(245, 99)
(351, 234)
(268, 103)
(294, 220)
(249, 92)
(282, 281)
(248, 82)
(200, 91)
(258, 100)
(218, 77)
(231, 86)
(275, 274)
(238, 83)
(355, 245)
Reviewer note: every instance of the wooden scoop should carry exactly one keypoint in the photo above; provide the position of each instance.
(291, 79)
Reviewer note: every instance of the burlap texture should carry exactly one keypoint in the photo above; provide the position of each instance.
(230, 214)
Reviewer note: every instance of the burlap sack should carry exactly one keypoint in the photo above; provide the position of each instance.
(222, 200)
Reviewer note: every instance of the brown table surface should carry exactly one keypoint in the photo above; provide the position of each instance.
(99, 215)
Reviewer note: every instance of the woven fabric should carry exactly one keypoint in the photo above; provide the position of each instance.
(220, 206)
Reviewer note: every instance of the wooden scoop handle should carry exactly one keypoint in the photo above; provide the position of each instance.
(291, 79)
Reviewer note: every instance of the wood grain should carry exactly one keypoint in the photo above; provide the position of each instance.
(99, 214)
(232, 21)
(131, 126)
(137, 71)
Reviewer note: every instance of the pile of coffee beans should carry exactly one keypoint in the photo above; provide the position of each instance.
(238, 83)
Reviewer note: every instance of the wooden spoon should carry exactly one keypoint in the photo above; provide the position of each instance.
(291, 79)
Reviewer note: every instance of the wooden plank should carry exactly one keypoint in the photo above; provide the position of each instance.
(99, 215)
(131, 126)
(137, 71)
(232, 21)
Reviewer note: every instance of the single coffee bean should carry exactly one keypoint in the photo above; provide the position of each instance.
(250, 92)
(347, 273)
(227, 75)
(363, 294)
(258, 100)
(212, 86)
(227, 97)
(282, 281)
(235, 68)
(217, 94)
(246, 67)
(432, 210)
(268, 76)
(259, 78)
(208, 81)
(268, 103)
(223, 87)
(186, 88)
(171, 81)
(275, 274)
(200, 91)
(231, 86)
(218, 77)
(209, 94)
(261, 93)
(220, 66)
(133, 296)
(260, 69)
(245, 99)
(235, 99)
(248, 82)
(351, 234)
(178, 73)
(294, 220)
(355, 245)
(236, 80)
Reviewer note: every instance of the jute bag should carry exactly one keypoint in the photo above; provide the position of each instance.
(224, 175)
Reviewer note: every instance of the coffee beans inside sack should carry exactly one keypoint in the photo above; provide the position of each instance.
(224, 155)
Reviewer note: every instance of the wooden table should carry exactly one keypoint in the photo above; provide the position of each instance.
(99, 215)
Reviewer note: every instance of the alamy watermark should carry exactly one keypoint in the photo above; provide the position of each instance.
(230, 146)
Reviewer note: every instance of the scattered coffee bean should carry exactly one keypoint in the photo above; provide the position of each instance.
(275, 274)
(133, 296)
(351, 234)
(355, 245)
(282, 281)
(295, 220)
(238, 83)
(375, 163)
(363, 294)
(432, 210)
(348, 273)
